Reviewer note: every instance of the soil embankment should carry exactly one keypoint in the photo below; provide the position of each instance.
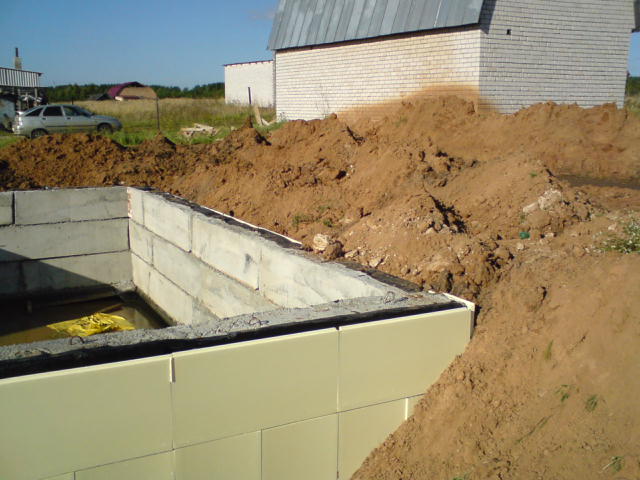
(505, 210)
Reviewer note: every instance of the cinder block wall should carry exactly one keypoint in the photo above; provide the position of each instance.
(194, 266)
(316, 81)
(59, 240)
(564, 51)
(255, 75)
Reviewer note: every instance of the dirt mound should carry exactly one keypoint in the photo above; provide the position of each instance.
(506, 210)
(546, 389)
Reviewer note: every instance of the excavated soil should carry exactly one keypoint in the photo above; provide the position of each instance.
(506, 210)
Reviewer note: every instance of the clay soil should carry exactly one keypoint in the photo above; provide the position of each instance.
(506, 210)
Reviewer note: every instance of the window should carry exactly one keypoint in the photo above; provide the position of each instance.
(52, 112)
(34, 113)
(71, 112)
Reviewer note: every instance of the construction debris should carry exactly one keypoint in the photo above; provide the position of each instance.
(199, 129)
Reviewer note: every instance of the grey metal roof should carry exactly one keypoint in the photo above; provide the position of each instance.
(301, 23)
(636, 12)
(10, 77)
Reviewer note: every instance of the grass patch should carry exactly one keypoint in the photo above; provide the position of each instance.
(140, 122)
(301, 218)
(548, 351)
(627, 242)
(7, 139)
(632, 103)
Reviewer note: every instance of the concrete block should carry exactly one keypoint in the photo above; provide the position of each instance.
(141, 241)
(113, 269)
(363, 429)
(156, 467)
(301, 450)
(10, 278)
(6, 208)
(140, 273)
(70, 205)
(63, 239)
(177, 304)
(225, 297)
(231, 458)
(136, 210)
(49, 419)
(222, 295)
(231, 250)
(244, 387)
(396, 358)
(168, 220)
(290, 279)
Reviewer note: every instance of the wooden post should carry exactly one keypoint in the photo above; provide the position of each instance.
(158, 114)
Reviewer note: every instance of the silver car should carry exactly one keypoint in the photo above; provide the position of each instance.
(45, 119)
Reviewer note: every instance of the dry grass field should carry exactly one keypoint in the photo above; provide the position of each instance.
(139, 117)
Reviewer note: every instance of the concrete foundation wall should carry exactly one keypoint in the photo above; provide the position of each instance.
(564, 51)
(58, 240)
(194, 265)
(323, 365)
(295, 406)
(316, 81)
(257, 76)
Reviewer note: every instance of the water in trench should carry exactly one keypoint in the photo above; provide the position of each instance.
(27, 321)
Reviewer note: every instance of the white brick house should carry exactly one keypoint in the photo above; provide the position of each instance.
(249, 83)
(338, 55)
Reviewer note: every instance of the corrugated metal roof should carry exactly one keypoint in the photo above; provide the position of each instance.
(301, 23)
(10, 77)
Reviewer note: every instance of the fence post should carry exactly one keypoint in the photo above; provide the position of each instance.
(158, 113)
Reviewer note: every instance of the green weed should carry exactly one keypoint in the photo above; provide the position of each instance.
(327, 222)
(591, 403)
(533, 174)
(627, 242)
(547, 351)
(564, 391)
(301, 218)
(615, 464)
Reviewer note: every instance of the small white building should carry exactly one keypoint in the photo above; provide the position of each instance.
(333, 56)
(249, 83)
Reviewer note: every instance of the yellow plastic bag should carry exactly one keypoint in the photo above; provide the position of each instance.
(92, 324)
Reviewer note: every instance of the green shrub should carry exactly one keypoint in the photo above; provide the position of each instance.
(627, 242)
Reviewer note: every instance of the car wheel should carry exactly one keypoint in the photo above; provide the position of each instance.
(38, 132)
(104, 128)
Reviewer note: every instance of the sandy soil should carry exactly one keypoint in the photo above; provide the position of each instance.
(507, 211)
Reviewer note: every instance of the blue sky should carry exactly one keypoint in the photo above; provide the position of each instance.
(150, 41)
(181, 43)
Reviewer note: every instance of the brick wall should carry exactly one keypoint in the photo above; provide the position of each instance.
(316, 81)
(561, 50)
(255, 75)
